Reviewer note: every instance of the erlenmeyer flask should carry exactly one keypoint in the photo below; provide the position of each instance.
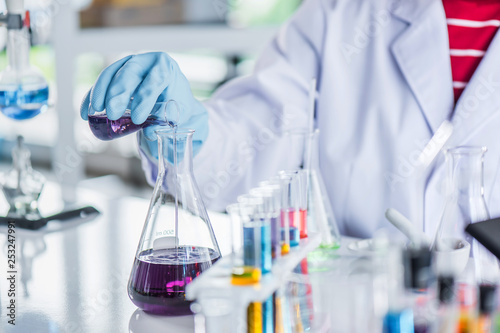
(320, 208)
(177, 242)
(106, 129)
(320, 217)
(465, 204)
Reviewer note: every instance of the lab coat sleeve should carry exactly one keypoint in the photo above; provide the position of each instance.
(249, 116)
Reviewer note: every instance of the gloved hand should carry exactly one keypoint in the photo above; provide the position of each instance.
(148, 78)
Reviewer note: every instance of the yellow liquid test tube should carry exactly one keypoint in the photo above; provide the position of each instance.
(254, 318)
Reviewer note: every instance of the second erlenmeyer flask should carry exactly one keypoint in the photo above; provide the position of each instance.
(177, 242)
(465, 204)
(320, 217)
(320, 208)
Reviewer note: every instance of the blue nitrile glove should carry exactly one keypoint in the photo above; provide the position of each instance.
(148, 78)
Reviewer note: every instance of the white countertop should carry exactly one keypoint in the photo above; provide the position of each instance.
(73, 278)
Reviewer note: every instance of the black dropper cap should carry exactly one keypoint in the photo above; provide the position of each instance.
(446, 289)
(417, 262)
(487, 298)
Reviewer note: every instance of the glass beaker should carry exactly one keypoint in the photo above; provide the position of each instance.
(177, 243)
(465, 204)
(24, 91)
(22, 185)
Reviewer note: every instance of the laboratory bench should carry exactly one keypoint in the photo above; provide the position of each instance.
(72, 276)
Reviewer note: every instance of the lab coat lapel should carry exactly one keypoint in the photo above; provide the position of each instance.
(480, 100)
(422, 53)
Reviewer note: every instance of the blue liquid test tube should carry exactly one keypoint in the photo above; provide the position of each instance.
(245, 258)
(258, 230)
(271, 196)
(268, 315)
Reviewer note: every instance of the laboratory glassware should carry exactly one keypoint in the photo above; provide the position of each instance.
(399, 318)
(486, 307)
(24, 91)
(295, 204)
(283, 182)
(271, 196)
(22, 185)
(256, 234)
(177, 242)
(320, 217)
(446, 317)
(417, 280)
(465, 204)
(106, 129)
(246, 257)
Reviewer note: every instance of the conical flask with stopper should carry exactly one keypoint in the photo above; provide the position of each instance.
(465, 204)
(177, 242)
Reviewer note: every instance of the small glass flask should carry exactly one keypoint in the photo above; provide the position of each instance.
(24, 92)
(177, 242)
(22, 185)
(465, 204)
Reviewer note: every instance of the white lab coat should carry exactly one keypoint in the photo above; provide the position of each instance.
(385, 85)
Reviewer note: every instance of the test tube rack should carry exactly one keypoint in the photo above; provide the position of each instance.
(215, 283)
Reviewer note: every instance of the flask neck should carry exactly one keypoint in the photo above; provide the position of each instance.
(465, 172)
(18, 48)
(176, 150)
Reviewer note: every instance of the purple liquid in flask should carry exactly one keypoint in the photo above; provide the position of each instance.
(159, 278)
(105, 129)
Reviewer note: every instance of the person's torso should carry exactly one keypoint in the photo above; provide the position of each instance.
(385, 87)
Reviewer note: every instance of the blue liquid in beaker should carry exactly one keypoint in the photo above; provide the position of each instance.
(23, 104)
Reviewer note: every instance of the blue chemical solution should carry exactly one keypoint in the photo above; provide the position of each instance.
(399, 322)
(268, 315)
(23, 104)
(257, 234)
(275, 238)
(294, 236)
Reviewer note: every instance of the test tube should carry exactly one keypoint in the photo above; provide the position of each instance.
(247, 259)
(399, 317)
(292, 207)
(254, 318)
(271, 195)
(261, 226)
(284, 183)
(303, 190)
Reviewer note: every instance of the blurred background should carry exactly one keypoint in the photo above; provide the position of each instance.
(212, 40)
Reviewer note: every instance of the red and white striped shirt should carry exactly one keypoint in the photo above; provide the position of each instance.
(472, 24)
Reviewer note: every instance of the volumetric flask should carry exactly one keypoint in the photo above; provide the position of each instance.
(106, 129)
(177, 242)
